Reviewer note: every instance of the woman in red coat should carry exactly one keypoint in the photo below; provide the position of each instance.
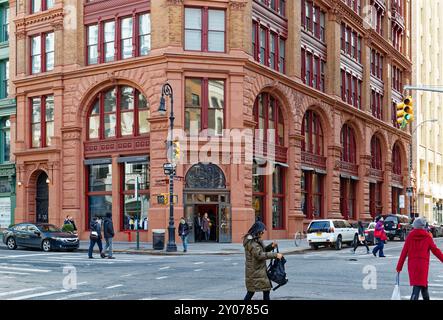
(416, 248)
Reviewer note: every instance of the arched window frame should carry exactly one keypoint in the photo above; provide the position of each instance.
(270, 102)
(312, 131)
(140, 106)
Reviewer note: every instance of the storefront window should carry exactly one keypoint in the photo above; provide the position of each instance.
(259, 193)
(278, 198)
(135, 210)
(6, 140)
(98, 206)
(304, 193)
(5, 186)
(100, 178)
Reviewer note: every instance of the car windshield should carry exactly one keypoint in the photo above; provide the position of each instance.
(319, 225)
(48, 228)
(391, 218)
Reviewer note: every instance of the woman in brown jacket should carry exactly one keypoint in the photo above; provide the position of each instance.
(256, 255)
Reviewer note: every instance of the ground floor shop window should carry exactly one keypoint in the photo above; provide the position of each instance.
(258, 193)
(396, 192)
(133, 195)
(312, 194)
(278, 197)
(348, 193)
(135, 210)
(375, 199)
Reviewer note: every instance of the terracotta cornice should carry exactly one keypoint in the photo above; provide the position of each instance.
(237, 4)
(39, 151)
(174, 2)
(51, 15)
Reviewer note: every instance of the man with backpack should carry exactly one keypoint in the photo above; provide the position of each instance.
(95, 237)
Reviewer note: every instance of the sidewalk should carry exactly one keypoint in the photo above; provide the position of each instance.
(200, 248)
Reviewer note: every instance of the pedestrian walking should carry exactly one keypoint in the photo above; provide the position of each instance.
(380, 237)
(417, 249)
(183, 231)
(95, 237)
(108, 232)
(256, 254)
(206, 226)
(361, 238)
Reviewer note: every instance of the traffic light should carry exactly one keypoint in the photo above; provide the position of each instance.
(405, 112)
(175, 151)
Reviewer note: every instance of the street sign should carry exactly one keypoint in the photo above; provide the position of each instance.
(169, 168)
(164, 198)
(409, 191)
(401, 201)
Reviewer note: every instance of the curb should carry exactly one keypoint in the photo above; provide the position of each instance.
(164, 253)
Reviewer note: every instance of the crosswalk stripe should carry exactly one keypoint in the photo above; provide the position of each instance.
(160, 278)
(116, 286)
(10, 293)
(42, 294)
(77, 295)
(25, 269)
(14, 272)
(435, 285)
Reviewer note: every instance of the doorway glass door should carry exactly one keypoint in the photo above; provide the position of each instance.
(41, 200)
(224, 226)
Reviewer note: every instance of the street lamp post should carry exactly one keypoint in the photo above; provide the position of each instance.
(410, 160)
(167, 91)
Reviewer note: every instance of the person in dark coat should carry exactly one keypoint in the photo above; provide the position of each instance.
(361, 234)
(108, 232)
(417, 249)
(206, 226)
(380, 237)
(95, 237)
(183, 231)
(198, 227)
(256, 254)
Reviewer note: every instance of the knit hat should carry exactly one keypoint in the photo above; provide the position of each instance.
(419, 223)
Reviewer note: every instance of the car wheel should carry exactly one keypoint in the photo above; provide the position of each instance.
(391, 238)
(355, 240)
(314, 246)
(338, 243)
(46, 245)
(403, 235)
(12, 245)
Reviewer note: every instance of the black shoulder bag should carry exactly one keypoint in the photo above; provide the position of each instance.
(276, 272)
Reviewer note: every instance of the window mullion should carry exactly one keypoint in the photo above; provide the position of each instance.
(100, 42)
(205, 26)
(117, 39)
(43, 121)
(135, 127)
(134, 34)
(118, 112)
(102, 116)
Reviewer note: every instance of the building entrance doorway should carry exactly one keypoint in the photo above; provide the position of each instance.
(206, 192)
(41, 199)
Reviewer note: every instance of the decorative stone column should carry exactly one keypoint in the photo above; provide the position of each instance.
(363, 189)
(295, 214)
(293, 43)
(366, 86)
(333, 35)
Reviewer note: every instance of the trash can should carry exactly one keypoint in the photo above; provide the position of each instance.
(158, 239)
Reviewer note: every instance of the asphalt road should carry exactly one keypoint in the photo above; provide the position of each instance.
(322, 274)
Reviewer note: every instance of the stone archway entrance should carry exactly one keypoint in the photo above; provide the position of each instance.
(205, 192)
(42, 199)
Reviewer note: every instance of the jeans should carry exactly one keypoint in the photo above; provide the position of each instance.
(379, 247)
(207, 234)
(416, 293)
(185, 242)
(364, 243)
(92, 243)
(250, 294)
(108, 246)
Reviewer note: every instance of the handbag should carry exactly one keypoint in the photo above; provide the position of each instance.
(396, 293)
(93, 235)
(361, 238)
(276, 272)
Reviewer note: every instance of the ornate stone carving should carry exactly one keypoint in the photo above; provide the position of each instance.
(174, 2)
(237, 5)
(20, 35)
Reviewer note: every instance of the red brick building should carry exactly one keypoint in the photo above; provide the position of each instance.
(88, 79)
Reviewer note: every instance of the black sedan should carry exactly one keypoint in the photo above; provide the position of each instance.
(44, 236)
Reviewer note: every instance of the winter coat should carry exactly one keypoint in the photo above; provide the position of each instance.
(108, 228)
(205, 224)
(256, 254)
(361, 230)
(183, 229)
(379, 227)
(416, 248)
(95, 226)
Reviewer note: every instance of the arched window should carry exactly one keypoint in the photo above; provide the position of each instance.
(118, 112)
(347, 139)
(268, 115)
(313, 134)
(376, 153)
(396, 160)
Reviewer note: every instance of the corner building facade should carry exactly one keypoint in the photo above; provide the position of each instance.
(88, 77)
